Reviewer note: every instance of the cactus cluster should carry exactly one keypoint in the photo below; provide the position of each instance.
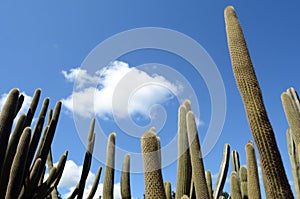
(25, 149)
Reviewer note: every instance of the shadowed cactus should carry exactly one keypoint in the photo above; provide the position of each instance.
(154, 187)
(222, 172)
(125, 178)
(95, 184)
(198, 172)
(276, 180)
(235, 161)
(108, 185)
(252, 172)
(184, 170)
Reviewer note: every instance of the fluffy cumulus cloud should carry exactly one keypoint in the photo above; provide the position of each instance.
(117, 89)
(25, 105)
(71, 177)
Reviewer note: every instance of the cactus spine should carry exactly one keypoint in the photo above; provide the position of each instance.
(125, 178)
(184, 170)
(154, 187)
(108, 185)
(272, 166)
(252, 172)
(198, 172)
(223, 172)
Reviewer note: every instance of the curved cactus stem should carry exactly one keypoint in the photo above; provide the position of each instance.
(272, 166)
(32, 108)
(17, 173)
(95, 184)
(222, 172)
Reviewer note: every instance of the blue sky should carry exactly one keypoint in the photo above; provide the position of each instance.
(44, 43)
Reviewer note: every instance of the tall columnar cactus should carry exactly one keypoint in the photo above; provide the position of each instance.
(243, 182)
(17, 171)
(7, 116)
(184, 170)
(198, 172)
(154, 187)
(108, 185)
(272, 166)
(235, 189)
(252, 172)
(235, 161)
(209, 183)
(125, 178)
(95, 184)
(222, 172)
(294, 159)
(168, 190)
(291, 107)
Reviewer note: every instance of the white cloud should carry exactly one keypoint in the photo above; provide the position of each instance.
(25, 105)
(71, 177)
(117, 89)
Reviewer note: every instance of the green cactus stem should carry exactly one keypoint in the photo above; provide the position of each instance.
(198, 172)
(108, 185)
(243, 182)
(235, 189)
(272, 166)
(125, 178)
(154, 187)
(95, 184)
(252, 172)
(209, 183)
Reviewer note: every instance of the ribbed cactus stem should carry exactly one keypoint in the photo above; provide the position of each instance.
(7, 116)
(261, 128)
(125, 178)
(108, 185)
(184, 170)
(154, 187)
(235, 161)
(209, 183)
(222, 172)
(243, 182)
(17, 171)
(168, 190)
(198, 171)
(290, 102)
(95, 184)
(235, 189)
(252, 175)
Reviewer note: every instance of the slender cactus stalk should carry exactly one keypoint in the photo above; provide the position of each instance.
(198, 172)
(209, 183)
(235, 189)
(125, 178)
(272, 166)
(252, 172)
(108, 185)
(95, 184)
(243, 182)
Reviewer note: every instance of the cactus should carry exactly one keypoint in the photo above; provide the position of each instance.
(95, 184)
(209, 183)
(272, 166)
(7, 116)
(243, 182)
(108, 185)
(235, 161)
(154, 187)
(252, 172)
(185, 197)
(290, 102)
(223, 172)
(198, 172)
(184, 170)
(235, 190)
(168, 190)
(125, 178)
(17, 171)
